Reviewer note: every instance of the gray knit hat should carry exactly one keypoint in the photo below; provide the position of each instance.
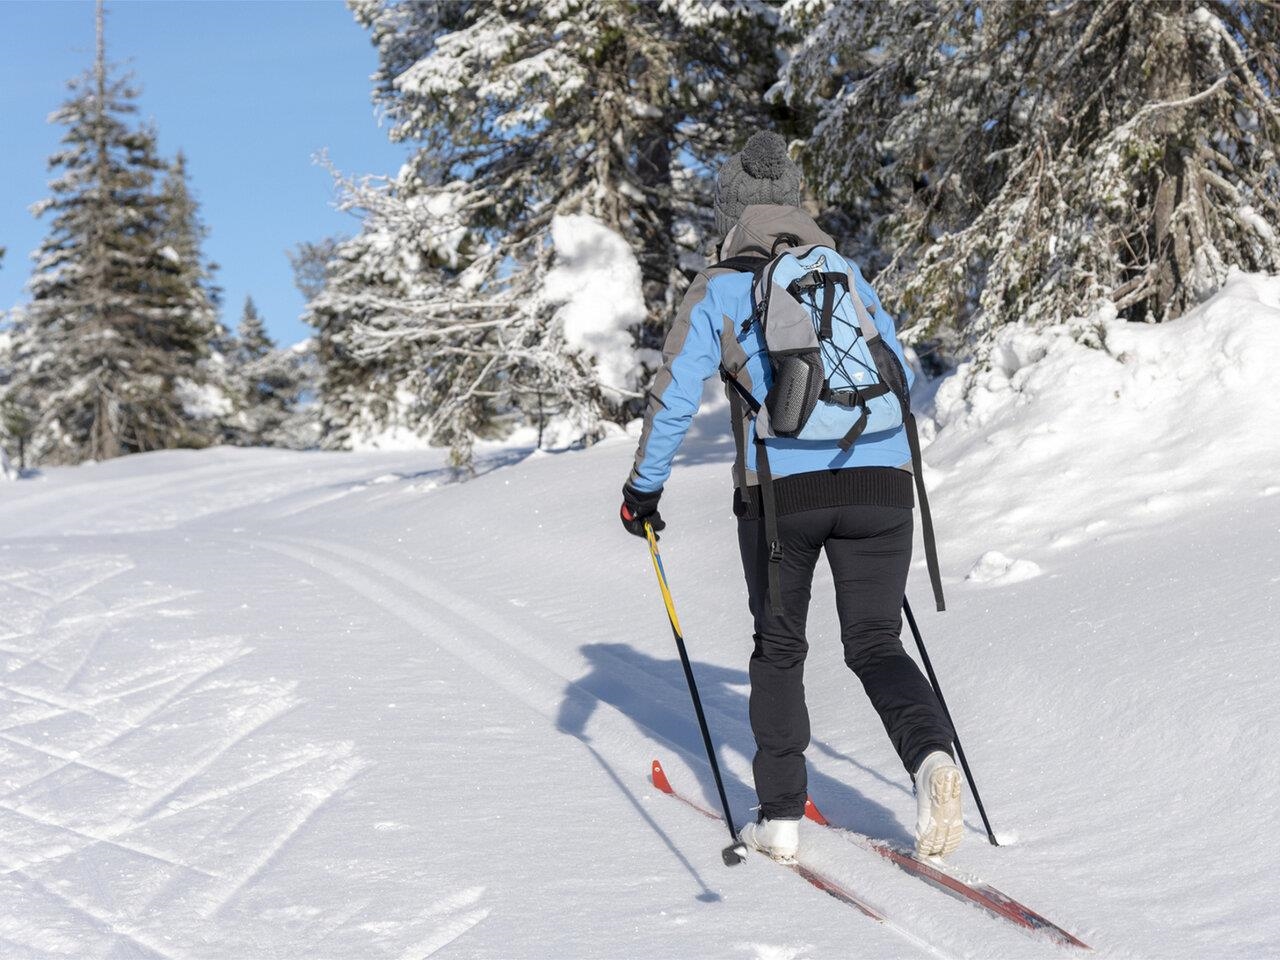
(761, 173)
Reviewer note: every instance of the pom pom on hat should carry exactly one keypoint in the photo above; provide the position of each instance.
(761, 173)
(765, 156)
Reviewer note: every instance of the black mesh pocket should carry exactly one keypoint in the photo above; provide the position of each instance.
(891, 372)
(797, 383)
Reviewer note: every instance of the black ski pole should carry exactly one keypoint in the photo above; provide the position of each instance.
(933, 680)
(736, 852)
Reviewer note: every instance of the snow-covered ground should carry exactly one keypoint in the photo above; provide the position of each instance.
(262, 704)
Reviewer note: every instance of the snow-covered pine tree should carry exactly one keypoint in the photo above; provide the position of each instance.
(111, 335)
(265, 384)
(252, 340)
(527, 112)
(15, 420)
(370, 386)
(182, 234)
(1030, 161)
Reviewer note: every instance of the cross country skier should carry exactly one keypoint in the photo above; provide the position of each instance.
(855, 505)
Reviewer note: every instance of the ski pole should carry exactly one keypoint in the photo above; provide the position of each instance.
(933, 680)
(736, 852)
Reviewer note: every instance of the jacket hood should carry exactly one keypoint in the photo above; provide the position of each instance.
(762, 223)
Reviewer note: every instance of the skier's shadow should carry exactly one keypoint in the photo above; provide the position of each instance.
(652, 693)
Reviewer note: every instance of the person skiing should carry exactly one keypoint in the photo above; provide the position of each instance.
(856, 505)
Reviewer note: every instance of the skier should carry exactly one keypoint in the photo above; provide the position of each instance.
(855, 505)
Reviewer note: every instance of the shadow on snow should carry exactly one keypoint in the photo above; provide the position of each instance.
(652, 693)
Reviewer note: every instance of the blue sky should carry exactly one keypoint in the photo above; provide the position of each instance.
(250, 90)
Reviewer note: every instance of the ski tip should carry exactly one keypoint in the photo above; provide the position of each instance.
(660, 778)
(810, 810)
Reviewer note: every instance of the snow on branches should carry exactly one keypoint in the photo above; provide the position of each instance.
(542, 128)
(1026, 162)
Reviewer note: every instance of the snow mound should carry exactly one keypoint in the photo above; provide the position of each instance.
(995, 567)
(1164, 421)
(596, 280)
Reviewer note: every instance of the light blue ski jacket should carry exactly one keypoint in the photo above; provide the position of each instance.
(708, 332)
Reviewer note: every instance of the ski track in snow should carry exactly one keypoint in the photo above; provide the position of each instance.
(147, 790)
(74, 723)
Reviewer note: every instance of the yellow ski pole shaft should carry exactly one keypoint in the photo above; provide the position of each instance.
(736, 852)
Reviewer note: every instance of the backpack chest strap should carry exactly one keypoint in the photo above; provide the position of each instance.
(856, 397)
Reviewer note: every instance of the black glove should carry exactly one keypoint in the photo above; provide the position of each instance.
(640, 508)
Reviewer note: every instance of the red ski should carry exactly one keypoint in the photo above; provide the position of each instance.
(933, 872)
(950, 881)
(825, 884)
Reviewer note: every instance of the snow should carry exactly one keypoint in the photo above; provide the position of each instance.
(443, 230)
(7, 470)
(596, 281)
(202, 401)
(260, 703)
(994, 567)
(1258, 223)
(1058, 443)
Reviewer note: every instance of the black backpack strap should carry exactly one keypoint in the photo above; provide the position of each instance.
(930, 545)
(769, 509)
(743, 393)
(742, 264)
(828, 307)
(854, 397)
(850, 438)
(768, 506)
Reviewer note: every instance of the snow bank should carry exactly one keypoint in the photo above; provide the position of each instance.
(596, 280)
(1057, 442)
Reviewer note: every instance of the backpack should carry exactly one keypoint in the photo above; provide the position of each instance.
(831, 375)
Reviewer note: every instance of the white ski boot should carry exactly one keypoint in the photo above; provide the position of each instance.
(939, 826)
(778, 839)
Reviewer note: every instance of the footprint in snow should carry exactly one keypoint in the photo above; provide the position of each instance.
(995, 568)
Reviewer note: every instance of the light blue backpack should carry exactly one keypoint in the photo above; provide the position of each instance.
(831, 375)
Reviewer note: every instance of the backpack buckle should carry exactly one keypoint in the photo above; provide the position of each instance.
(775, 551)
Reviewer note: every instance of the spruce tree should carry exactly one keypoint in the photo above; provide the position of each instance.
(109, 353)
(182, 235)
(1032, 161)
(252, 340)
(15, 418)
(265, 386)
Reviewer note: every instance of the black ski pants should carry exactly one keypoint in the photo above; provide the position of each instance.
(869, 550)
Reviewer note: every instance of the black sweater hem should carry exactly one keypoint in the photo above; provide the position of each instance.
(867, 486)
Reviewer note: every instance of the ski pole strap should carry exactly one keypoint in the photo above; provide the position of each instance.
(769, 509)
(926, 519)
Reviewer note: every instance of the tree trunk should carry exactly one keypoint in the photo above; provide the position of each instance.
(657, 252)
